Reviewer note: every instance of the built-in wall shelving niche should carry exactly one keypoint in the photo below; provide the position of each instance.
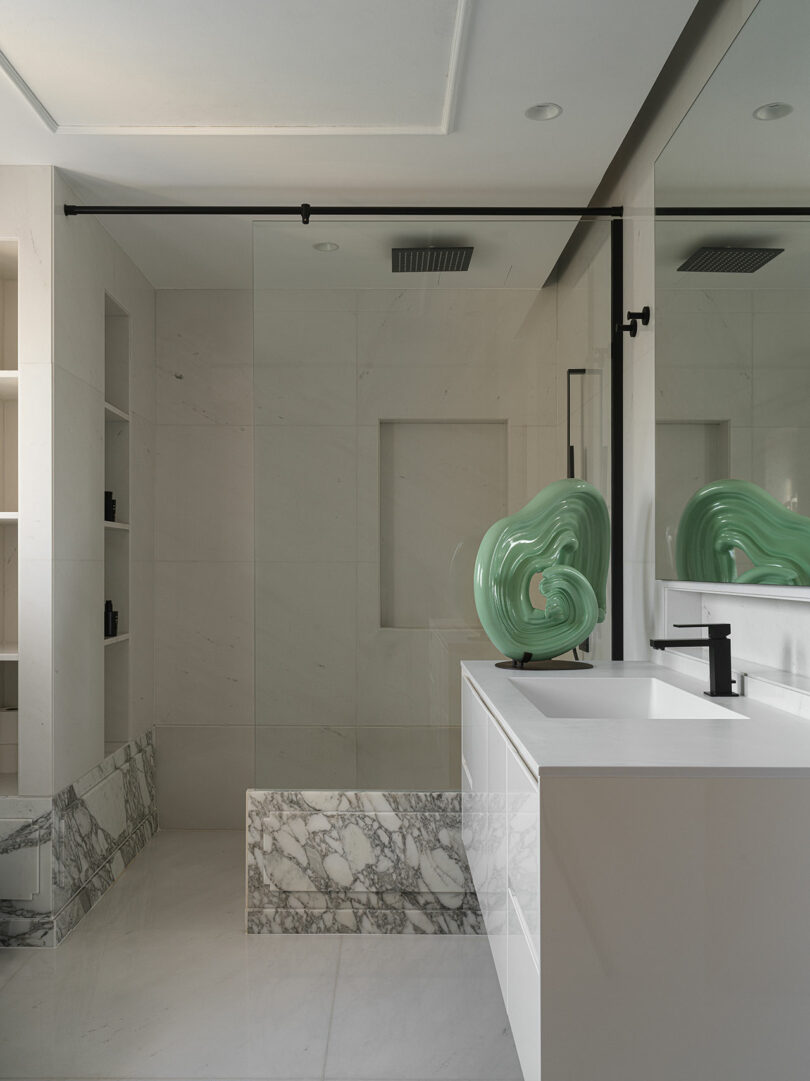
(116, 533)
(10, 730)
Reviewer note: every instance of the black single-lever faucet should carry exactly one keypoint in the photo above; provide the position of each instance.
(719, 643)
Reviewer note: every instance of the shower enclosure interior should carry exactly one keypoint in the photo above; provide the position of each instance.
(396, 416)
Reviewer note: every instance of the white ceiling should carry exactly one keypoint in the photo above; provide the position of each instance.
(341, 65)
(720, 154)
(293, 66)
(516, 254)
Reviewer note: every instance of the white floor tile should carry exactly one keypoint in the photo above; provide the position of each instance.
(427, 1008)
(160, 981)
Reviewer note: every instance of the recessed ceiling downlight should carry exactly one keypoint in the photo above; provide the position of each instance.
(775, 110)
(549, 110)
(326, 245)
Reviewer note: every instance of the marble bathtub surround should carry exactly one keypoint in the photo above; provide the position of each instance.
(25, 872)
(79, 845)
(349, 862)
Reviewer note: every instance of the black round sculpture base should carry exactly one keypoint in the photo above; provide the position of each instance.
(542, 666)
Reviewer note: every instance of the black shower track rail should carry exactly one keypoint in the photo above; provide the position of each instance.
(732, 211)
(305, 211)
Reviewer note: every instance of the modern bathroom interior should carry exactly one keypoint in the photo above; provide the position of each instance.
(331, 795)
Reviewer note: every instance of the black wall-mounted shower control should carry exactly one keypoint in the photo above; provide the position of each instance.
(643, 316)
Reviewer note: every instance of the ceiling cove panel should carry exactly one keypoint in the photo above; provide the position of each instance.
(245, 67)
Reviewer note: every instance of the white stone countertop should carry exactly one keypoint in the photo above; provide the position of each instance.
(762, 742)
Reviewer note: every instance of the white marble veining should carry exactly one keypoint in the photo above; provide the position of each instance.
(358, 862)
(56, 865)
(160, 982)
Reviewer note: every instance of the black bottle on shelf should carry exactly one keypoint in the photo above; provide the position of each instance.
(109, 507)
(110, 620)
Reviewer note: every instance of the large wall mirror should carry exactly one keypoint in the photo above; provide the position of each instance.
(733, 301)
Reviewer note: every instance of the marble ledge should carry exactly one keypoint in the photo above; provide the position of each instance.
(104, 769)
(80, 903)
(335, 802)
(382, 921)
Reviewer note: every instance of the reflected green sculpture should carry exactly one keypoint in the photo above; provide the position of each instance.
(729, 514)
(563, 534)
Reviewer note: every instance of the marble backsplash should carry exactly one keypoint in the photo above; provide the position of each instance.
(357, 862)
(63, 854)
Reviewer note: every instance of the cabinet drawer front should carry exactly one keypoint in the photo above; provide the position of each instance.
(523, 847)
(496, 849)
(475, 722)
(523, 996)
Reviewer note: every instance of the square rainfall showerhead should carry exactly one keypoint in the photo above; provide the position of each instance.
(729, 260)
(432, 260)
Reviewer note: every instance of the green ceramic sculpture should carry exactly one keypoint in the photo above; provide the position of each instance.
(563, 534)
(729, 514)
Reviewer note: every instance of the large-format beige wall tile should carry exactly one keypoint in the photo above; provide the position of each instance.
(685, 339)
(392, 664)
(305, 394)
(78, 663)
(522, 393)
(454, 477)
(781, 465)
(318, 337)
(410, 759)
(135, 293)
(204, 493)
(204, 357)
(142, 646)
(434, 328)
(142, 488)
(84, 264)
(203, 774)
(191, 392)
(781, 397)
(700, 394)
(306, 643)
(204, 643)
(305, 757)
(78, 498)
(205, 327)
(306, 494)
(272, 301)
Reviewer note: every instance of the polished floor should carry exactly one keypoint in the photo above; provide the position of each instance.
(159, 981)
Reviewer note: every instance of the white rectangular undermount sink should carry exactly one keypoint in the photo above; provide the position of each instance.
(622, 698)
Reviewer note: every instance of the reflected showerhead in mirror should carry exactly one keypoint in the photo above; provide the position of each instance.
(728, 260)
(430, 259)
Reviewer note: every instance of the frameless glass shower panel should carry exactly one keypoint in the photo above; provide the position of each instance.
(402, 404)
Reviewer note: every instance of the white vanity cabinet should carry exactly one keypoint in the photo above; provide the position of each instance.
(645, 882)
(501, 830)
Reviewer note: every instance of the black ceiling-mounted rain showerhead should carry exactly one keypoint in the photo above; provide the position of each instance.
(430, 259)
(728, 260)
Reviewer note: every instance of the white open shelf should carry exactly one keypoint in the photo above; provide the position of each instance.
(9, 651)
(112, 412)
(112, 641)
(9, 517)
(9, 385)
(114, 525)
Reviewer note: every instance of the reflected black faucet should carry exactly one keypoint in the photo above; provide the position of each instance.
(719, 643)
